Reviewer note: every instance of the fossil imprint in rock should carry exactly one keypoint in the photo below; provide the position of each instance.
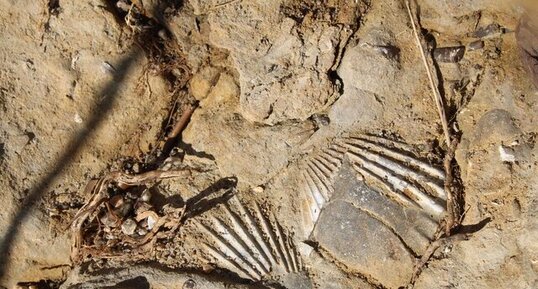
(368, 201)
(250, 243)
(389, 167)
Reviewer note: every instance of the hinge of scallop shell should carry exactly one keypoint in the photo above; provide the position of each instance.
(251, 244)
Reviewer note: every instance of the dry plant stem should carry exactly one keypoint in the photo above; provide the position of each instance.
(451, 218)
(217, 6)
(182, 122)
(435, 91)
(430, 251)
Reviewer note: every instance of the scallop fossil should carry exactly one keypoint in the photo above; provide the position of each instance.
(250, 243)
(389, 166)
(372, 203)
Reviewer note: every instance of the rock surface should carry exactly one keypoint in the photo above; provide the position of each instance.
(277, 83)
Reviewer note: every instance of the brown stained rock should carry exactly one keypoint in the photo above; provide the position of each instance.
(201, 83)
(527, 40)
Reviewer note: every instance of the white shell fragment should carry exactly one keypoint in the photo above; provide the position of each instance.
(151, 222)
(107, 68)
(77, 118)
(128, 227)
(146, 196)
(506, 154)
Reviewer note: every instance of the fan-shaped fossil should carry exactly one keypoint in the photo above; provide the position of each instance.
(388, 166)
(371, 203)
(250, 243)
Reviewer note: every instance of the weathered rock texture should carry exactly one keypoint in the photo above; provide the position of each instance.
(322, 112)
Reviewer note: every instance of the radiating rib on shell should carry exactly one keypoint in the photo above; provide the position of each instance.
(251, 246)
(408, 180)
(400, 176)
(318, 174)
(413, 162)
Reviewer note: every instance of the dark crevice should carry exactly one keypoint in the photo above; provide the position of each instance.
(111, 7)
(54, 7)
(42, 284)
(341, 266)
(393, 230)
(336, 81)
(123, 276)
(190, 150)
(139, 282)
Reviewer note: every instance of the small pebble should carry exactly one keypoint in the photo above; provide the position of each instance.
(123, 5)
(489, 31)
(476, 45)
(449, 54)
(146, 196)
(163, 34)
(128, 227)
(116, 201)
(124, 209)
(77, 118)
(136, 168)
(321, 119)
(258, 190)
(141, 231)
(108, 221)
(177, 73)
(151, 222)
(189, 284)
(141, 207)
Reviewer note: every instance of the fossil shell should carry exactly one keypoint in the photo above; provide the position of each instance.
(251, 244)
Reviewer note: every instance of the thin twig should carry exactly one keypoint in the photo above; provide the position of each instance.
(451, 219)
(432, 248)
(217, 6)
(435, 90)
(182, 122)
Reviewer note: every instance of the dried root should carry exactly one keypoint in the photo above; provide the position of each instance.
(451, 187)
(120, 216)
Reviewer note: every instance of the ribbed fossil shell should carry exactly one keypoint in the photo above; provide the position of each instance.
(388, 166)
(370, 202)
(251, 244)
